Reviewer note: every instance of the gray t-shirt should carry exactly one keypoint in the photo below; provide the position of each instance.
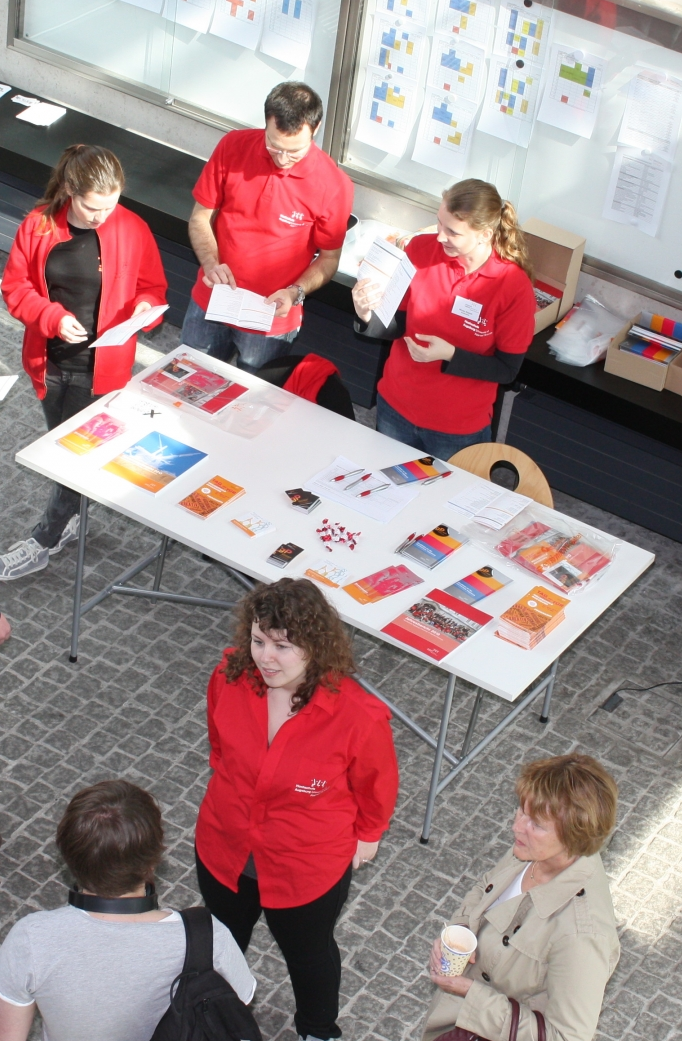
(95, 979)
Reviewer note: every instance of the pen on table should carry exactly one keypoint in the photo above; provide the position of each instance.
(346, 475)
(403, 544)
(366, 493)
(433, 479)
(360, 479)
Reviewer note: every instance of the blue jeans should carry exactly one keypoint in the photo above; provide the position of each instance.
(222, 341)
(438, 444)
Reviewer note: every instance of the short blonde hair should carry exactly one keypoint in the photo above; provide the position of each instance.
(577, 794)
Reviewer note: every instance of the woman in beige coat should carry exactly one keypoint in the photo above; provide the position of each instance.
(543, 916)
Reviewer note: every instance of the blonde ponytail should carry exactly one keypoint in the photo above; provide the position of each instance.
(479, 204)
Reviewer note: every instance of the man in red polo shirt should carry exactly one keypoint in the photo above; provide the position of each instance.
(270, 215)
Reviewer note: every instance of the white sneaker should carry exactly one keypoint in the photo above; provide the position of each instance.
(69, 533)
(24, 557)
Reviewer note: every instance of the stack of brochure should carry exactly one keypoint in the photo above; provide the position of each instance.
(657, 339)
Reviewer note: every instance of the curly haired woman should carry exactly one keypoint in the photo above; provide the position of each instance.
(305, 781)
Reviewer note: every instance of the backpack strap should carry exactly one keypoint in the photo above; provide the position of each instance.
(199, 937)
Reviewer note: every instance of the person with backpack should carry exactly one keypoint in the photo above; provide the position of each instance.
(102, 966)
(304, 785)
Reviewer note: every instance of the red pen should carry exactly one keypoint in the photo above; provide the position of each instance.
(366, 493)
(403, 544)
(433, 479)
(337, 479)
(361, 479)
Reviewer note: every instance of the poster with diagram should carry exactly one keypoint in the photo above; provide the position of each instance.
(415, 12)
(523, 32)
(193, 14)
(239, 21)
(510, 101)
(387, 111)
(444, 132)
(457, 67)
(288, 31)
(572, 91)
(397, 47)
(470, 20)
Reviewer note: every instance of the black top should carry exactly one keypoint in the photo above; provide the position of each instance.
(501, 367)
(73, 273)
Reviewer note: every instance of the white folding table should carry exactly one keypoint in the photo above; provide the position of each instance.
(302, 441)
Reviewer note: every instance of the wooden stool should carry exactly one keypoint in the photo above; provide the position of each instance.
(483, 458)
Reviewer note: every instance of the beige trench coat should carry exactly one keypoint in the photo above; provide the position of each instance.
(552, 948)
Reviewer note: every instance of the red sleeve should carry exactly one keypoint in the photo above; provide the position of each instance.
(216, 685)
(515, 320)
(151, 279)
(331, 226)
(373, 779)
(24, 300)
(210, 187)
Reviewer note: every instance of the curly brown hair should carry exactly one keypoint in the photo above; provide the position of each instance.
(298, 608)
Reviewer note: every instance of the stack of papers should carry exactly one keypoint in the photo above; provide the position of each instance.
(42, 114)
(382, 506)
(484, 503)
(240, 307)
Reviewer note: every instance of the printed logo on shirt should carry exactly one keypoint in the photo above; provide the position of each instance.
(316, 787)
(295, 219)
(479, 328)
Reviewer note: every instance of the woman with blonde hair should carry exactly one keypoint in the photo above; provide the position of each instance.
(463, 327)
(80, 263)
(547, 941)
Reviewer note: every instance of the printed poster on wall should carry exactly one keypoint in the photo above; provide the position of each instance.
(457, 67)
(194, 14)
(652, 113)
(444, 132)
(387, 111)
(572, 90)
(239, 21)
(288, 31)
(397, 46)
(468, 20)
(510, 102)
(416, 12)
(523, 32)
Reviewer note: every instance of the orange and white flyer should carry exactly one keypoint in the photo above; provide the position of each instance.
(211, 495)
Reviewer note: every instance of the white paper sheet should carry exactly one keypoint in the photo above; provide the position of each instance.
(416, 12)
(510, 102)
(397, 46)
(6, 383)
(523, 32)
(288, 31)
(382, 506)
(22, 99)
(444, 133)
(501, 510)
(194, 14)
(572, 91)
(474, 498)
(240, 21)
(652, 113)
(392, 270)
(4, 89)
(241, 307)
(147, 5)
(457, 68)
(637, 190)
(468, 20)
(122, 332)
(387, 111)
(42, 114)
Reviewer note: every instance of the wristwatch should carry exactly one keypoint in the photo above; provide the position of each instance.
(300, 297)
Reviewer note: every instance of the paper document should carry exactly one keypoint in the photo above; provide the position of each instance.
(6, 383)
(392, 270)
(241, 307)
(444, 133)
(637, 190)
(123, 332)
(288, 31)
(523, 32)
(147, 5)
(397, 46)
(485, 503)
(195, 14)
(572, 91)
(415, 12)
(469, 20)
(387, 110)
(458, 67)
(240, 21)
(41, 114)
(652, 113)
(22, 99)
(382, 506)
(4, 89)
(511, 100)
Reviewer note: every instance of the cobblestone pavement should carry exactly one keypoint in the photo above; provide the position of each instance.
(133, 706)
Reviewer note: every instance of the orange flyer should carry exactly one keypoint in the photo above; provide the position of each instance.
(538, 609)
(211, 495)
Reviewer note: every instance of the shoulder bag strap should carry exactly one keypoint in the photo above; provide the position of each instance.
(542, 1030)
(515, 1014)
(199, 935)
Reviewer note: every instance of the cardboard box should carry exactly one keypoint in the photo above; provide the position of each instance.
(556, 255)
(639, 369)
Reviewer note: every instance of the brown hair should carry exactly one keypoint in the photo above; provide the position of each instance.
(294, 104)
(81, 169)
(111, 837)
(298, 608)
(577, 794)
(480, 205)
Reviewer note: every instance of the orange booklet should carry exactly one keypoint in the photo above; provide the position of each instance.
(210, 496)
(532, 617)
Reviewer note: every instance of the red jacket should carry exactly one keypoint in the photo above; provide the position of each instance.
(329, 778)
(131, 272)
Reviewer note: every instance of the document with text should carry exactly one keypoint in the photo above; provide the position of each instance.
(390, 268)
(241, 307)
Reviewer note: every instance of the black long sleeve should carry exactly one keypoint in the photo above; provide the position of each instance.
(376, 329)
(501, 367)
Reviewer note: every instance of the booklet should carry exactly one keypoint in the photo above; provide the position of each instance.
(188, 381)
(389, 267)
(283, 554)
(241, 307)
(433, 548)
(532, 617)
(328, 573)
(489, 504)
(384, 583)
(483, 582)
(436, 624)
(212, 495)
(253, 524)
(154, 461)
(415, 471)
(92, 433)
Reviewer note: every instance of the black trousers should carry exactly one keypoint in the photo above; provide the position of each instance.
(305, 935)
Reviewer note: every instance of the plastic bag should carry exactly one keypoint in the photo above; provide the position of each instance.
(550, 546)
(254, 412)
(584, 335)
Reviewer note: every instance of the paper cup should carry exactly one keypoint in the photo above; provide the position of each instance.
(457, 943)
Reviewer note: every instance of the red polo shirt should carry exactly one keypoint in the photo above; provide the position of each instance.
(271, 222)
(420, 391)
(329, 778)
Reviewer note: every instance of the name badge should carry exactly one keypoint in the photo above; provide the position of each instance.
(470, 310)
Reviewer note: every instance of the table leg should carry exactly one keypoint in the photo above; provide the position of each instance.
(159, 564)
(544, 715)
(438, 759)
(473, 718)
(78, 586)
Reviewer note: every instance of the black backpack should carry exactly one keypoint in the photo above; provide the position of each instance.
(203, 1005)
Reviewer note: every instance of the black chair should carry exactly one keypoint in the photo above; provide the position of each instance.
(333, 395)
